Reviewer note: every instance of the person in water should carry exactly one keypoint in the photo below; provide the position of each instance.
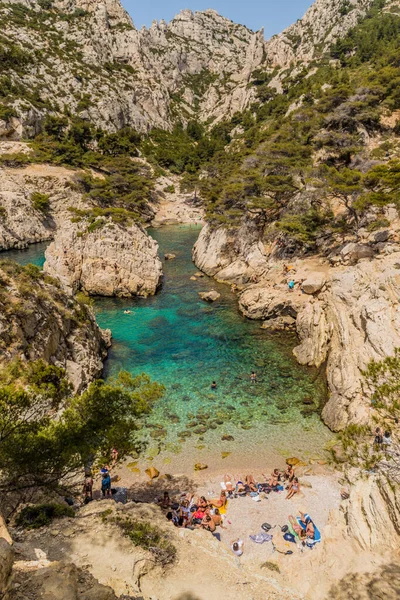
(214, 385)
(253, 377)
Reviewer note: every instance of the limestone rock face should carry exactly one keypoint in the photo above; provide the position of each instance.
(20, 223)
(112, 260)
(232, 257)
(58, 581)
(6, 561)
(313, 284)
(200, 63)
(349, 316)
(373, 515)
(39, 321)
(312, 35)
(354, 321)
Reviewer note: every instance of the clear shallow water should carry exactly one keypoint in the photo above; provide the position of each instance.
(32, 254)
(185, 343)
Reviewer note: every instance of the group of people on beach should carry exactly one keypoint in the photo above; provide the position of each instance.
(191, 512)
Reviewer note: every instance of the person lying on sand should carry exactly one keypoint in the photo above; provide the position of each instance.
(294, 488)
(297, 528)
(229, 483)
(240, 489)
(221, 501)
(310, 529)
(202, 502)
(250, 482)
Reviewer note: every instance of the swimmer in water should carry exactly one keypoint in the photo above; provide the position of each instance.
(214, 385)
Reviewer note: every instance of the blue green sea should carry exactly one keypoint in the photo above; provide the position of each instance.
(185, 344)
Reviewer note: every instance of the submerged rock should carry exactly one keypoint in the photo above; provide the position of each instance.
(169, 256)
(210, 296)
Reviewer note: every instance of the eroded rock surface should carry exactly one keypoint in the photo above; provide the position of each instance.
(110, 260)
(39, 321)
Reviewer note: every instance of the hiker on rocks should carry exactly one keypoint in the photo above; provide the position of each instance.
(106, 484)
(114, 456)
(165, 501)
(291, 285)
(88, 487)
(378, 440)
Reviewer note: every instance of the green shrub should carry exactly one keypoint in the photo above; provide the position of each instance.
(7, 112)
(32, 271)
(15, 160)
(149, 537)
(33, 517)
(169, 189)
(40, 202)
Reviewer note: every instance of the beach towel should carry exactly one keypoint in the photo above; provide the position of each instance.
(317, 535)
(222, 509)
(260, 538)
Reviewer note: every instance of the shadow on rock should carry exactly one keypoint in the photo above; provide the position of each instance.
(383, 583)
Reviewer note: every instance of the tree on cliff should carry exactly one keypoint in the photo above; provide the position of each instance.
(382, 380)
(46, 435)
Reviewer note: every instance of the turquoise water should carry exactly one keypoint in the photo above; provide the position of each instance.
(185, 344)
(32, 254)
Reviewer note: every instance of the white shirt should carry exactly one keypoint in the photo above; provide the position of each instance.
(239, 551)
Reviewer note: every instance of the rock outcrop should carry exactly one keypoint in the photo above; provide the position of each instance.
(20, 222)
(235, 257)
(39, 321)
(105, 259)
(345, 317)
(310, 37)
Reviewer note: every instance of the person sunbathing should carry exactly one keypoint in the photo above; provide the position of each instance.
(240, 488)
(202, 502)
(249, 479)
(221, 501)
(310, 529)
(294, 488)
(297, 528)
(274, 479)
(228, 484)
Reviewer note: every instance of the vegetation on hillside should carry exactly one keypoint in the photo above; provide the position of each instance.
(40, 452)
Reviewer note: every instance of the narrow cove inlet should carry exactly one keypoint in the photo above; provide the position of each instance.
(186, 344)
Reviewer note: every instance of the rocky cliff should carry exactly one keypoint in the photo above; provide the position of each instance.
(105, 258)
(345, 316)
(23, 222)
(102, 68)
(39, 321)
(310, 37)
